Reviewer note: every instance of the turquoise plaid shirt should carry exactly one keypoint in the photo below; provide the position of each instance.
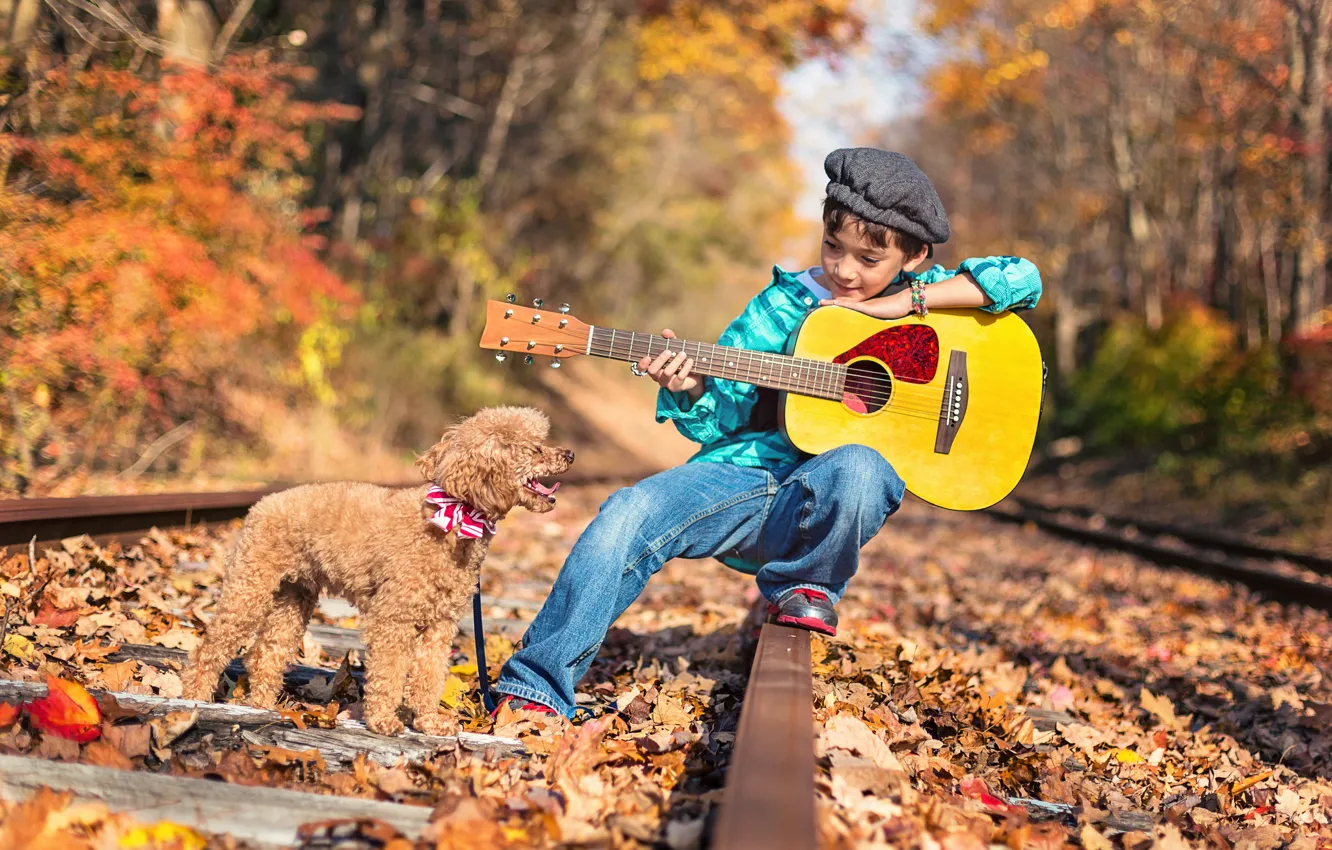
(718, 420)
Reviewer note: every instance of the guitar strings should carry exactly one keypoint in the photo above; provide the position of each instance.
(894, 402)
(883, 390)
(880, 390)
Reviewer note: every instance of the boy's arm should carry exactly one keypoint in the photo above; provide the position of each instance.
(722, 407)
(1007, 283)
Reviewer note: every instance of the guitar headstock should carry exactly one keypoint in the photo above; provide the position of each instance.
(528, 331)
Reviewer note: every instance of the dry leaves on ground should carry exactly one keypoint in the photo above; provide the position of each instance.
(982, 672)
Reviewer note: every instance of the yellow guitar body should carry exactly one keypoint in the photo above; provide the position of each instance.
(998, 382)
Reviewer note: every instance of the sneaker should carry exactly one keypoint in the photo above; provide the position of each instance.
(804, 609)
(520, 704)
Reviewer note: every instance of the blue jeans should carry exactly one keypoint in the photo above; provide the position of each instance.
(804, 524)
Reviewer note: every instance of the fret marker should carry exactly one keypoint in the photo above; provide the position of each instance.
(730, 364)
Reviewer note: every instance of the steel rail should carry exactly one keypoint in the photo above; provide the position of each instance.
(1230, 543)
(768, 803)
(1210, 557)
(105, 517)
(110, 517)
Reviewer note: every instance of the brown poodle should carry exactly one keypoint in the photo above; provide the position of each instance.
(387, 551)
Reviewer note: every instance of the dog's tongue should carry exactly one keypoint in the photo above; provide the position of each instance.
(541, 488)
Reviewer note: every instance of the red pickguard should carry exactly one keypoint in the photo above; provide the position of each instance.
(911, 352)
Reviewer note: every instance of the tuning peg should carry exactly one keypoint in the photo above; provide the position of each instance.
(504, 340)
(511, 298)
(501, 356)
(564, 308)
(531, 344)
(555, 364)
(527, 359)
(537, 302)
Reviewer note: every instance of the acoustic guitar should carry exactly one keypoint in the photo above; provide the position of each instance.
(951, 399)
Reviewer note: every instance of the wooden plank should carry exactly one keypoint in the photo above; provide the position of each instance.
(268, 816)
(768, 803)
(338, 746)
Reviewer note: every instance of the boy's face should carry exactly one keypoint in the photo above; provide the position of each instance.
(855, 268)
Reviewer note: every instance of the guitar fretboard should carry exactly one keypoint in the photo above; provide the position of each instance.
(817, 378)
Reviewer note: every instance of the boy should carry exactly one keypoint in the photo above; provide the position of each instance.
(748, 497)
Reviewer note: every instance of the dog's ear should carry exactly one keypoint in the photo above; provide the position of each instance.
(429, 463)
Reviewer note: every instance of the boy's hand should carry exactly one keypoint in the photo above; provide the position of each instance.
(889, 307)
(672, 370)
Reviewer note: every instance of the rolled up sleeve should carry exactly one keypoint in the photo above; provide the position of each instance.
(1011, 283)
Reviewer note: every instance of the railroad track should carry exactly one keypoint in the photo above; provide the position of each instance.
(1282, 575)
(768, 802)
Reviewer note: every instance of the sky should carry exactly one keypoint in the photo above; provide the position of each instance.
(831, 108)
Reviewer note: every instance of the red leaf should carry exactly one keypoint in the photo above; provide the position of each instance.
(978, 790)
(8, 714)
(68, 710)
(49, 615)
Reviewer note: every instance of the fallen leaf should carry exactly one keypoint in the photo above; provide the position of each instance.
(579, 751)
(117, 676)
(163, 834)
(670, 712)
(179, 638)
(844, 732)
(283, 757)
(168, 728)
(101, 753)
(21, 648)
(166, 683)
(1161, 707)
(49, 615)
(975, 788)
(67, 710)
(454, 691)
(1093, 840)
(131, 739)
(1127, 757)
(8, 714)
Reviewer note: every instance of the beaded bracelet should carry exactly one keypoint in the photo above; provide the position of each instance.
(918, 298)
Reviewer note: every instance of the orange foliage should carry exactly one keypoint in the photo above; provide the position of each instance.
(147, 229)
(67, 710)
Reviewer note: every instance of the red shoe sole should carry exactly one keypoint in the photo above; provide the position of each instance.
(814, 624)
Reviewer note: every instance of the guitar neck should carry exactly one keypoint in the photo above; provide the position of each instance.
(817, 378)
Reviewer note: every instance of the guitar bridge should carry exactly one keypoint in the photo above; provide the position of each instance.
(954, 407)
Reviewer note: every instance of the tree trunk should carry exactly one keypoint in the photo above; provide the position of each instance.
(18, 21)
(188, 29)
(1308, 28)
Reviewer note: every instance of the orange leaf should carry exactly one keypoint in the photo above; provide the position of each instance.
(67, 710)
(8, 714)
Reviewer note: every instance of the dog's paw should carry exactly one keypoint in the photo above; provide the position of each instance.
(385, 725)
(436, 724)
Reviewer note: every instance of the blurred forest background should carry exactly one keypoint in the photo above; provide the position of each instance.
(250, 239)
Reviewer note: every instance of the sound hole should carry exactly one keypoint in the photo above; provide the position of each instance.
(868, 386)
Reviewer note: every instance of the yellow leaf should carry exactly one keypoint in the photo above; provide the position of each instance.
(467, 668)
(454, 689)
(1127, 757)
(163, 834)
(20, 647)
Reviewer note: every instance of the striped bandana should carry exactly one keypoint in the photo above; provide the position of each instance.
(453, 512)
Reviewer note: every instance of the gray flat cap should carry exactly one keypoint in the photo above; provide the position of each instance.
(887, 188)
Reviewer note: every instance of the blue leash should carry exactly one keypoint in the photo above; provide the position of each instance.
(479, 635)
